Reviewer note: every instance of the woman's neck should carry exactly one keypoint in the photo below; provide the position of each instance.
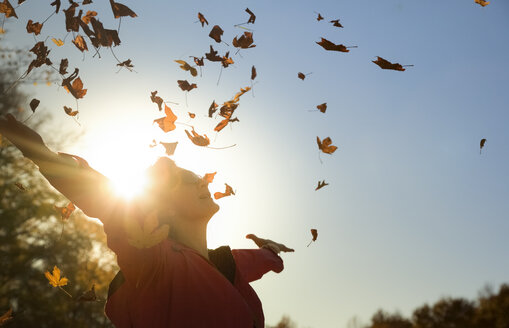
(192, 234)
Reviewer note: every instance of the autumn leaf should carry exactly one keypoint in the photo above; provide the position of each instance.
(69, 111)
(34, 103)
(80, 43)
(169, 147)
(252, 17)
(322, 107)
(191, 115)
(126, 63)
(89, 295)
(328, 45)
(216, 33)
(226, 61)
(156, 99)
(76, 88)
(63, 66)
(58, 42)
(321, 184)
(34, 27)
(336, 23)
(6, 317)
(41, 51)
(7, 9)
(213, 56)
(301, 76)
(56, 3)
(314, 234)
(483, 141)
(482, 2)
(212, 108)
(245, 41)
(120, 10)
(90, 14)
(326, 145)
(209, 177)
(253, 73)
(186, 67)
(54, 279)
(197, 139)
(198, 61)
(2, 31)
(202, 19)
(147, 236)
(319, 18)
(66, 211)
(167, 123)
(72, 23)
(385, 64)
(185, 86)
(228, 192)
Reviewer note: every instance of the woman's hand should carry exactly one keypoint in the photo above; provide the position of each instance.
(267, 243)
(28, 141)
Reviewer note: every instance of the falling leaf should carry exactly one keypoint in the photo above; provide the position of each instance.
(169, 147)
(156, 99)
(209, 177)
(72, 23)
(56, 3)
(185, 86)
(327, 45)
(76, 88)
(212, 108)
(202, 19)
(34, 103)
(228, 192)
(54, 279)
(86, 2)
(314, 234)
(2, 31)
(198, 61)
(245, 41)
(80, 43)
(34, 27)
(63, 66)
(482, 2)
(240, 93)
(88, 296)
(253, 73)
(252, 17)
(336, 23)
(126, 63)
(326, 145)
(322, 107)
(321, 184)
(385, 64)
(213, 56)
(20, 186)
(41, 51)
(216, 33)
(301, 76)
(120, 10)
(197, 139)
(147, 236)
(226, 61)
(6, 317)
(319, 18)
(7, 9)
(186, 67)
(66, 211)
(88, 16)
(191, 115)
(483, 141)
(70, 112)
(58, 42)
(167, 123)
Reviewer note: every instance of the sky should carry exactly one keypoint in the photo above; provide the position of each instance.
(412, 213)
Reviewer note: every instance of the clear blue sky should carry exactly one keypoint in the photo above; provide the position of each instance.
(413, 212)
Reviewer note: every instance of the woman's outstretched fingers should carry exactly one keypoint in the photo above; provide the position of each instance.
(260, 242)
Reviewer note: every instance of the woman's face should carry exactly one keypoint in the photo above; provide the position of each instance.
(190, 196)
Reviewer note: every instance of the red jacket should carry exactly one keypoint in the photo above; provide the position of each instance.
(169, 284)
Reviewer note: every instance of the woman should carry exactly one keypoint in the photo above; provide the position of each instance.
(173, 282)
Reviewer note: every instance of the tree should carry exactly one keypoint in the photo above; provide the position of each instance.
(493, 309)
(33, 240)
(447, 312)
(382, 319)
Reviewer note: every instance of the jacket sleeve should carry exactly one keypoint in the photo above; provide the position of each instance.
(254, 263)
(91, 192)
